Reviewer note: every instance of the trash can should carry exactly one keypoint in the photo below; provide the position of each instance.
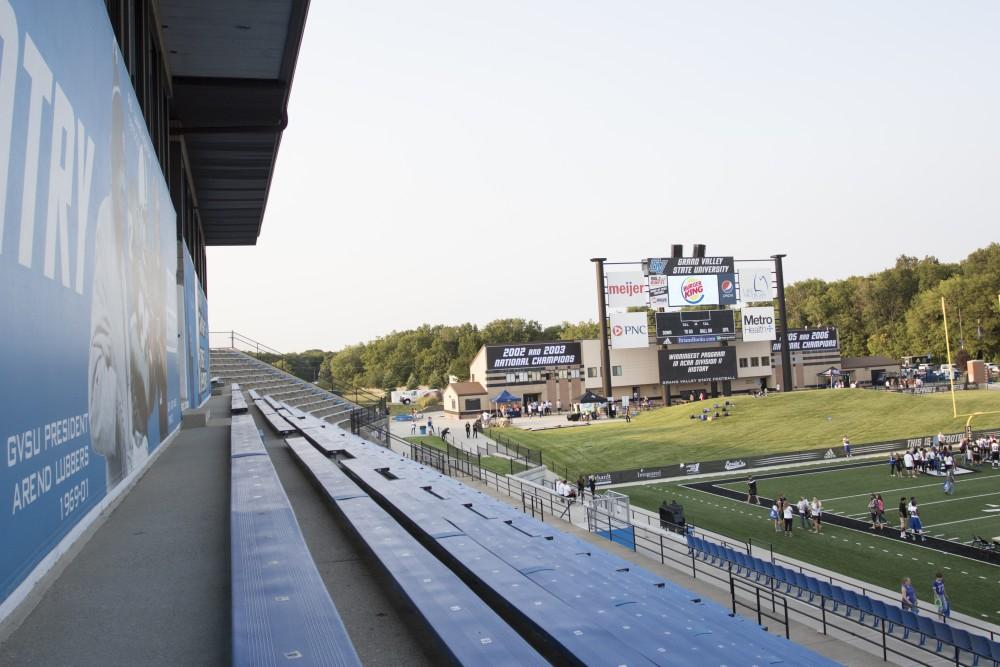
(423, 430)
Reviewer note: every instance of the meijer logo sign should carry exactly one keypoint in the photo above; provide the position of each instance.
(758, 323)
(626, 289)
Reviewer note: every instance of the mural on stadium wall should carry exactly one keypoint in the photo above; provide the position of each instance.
(88, 301)
(198, 387)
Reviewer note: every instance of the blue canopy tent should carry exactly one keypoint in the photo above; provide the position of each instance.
(507, 398)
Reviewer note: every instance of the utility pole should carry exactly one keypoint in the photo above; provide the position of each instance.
(602, 323)
(786, 354)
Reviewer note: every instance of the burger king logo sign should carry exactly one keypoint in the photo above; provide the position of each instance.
(693, 290)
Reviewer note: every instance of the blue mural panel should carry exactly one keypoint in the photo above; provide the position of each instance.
(89, 382)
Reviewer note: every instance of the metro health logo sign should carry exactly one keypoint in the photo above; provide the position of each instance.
(758, 323)
(629, 331)
(627, 289)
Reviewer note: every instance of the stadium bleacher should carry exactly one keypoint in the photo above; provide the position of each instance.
(575, 604)
(281, 611)
(466, 629)
(238, 404)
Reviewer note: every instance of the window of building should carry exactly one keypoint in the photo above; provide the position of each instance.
(743, 362)
(765, 361)
(563, 374)
(575, 373)
(453, 404)
(616, 371)
(521, 376)
(473, 404)
(510, 378)
(755, 362)
(592, 372)
(534, 376)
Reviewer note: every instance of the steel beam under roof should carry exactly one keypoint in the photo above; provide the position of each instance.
(231, 64)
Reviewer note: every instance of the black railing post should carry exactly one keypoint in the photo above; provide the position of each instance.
(757, 592)
(822, 607)
(885, 652)
(788, 632)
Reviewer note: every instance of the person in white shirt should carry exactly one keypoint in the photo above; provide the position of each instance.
(788, 519)
(908, 463)
(803, 507)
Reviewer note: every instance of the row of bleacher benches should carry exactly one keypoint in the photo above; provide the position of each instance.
(493, 585)
(819, 592)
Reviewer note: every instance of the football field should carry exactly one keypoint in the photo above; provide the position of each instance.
(847, 543)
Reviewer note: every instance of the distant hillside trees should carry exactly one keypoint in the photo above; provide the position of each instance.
(897, 312)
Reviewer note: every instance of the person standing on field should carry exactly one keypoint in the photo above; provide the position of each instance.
(816, 509)
(803, 507)
(847, 446)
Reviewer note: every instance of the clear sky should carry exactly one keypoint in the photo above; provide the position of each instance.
(451, 161)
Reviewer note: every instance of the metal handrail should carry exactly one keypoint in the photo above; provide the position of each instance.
(258, 348)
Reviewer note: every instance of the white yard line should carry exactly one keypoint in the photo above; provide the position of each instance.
(948, 523)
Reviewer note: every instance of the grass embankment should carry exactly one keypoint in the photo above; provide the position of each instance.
(861, 554)
(497, 464)
(779, 423)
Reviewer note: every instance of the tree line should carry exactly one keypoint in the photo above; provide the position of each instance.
(897, 312)
(892, 313)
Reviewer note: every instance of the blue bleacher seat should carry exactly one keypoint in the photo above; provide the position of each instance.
(925, 626)
(894, 617)
(879, 610)
(281, 610)
(942, 633)
(981, 648)
(962, 641)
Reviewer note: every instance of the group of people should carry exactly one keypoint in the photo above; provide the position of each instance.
(981, 450)
(566, 490)
(783, 512)
(706, 413)
(541, 408)
(908, 597)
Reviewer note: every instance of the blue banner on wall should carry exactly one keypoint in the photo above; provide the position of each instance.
(88, 303)
(199, 387)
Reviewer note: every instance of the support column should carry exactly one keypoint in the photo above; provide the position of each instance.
(602, 324)
(786, 354)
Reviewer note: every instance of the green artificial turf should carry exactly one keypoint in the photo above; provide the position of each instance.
(973, 586)
(780, 423)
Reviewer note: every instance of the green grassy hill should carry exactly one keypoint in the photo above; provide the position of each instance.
(779, 423)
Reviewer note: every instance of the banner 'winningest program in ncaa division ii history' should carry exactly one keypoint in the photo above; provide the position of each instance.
(682, 366)
(89, 379)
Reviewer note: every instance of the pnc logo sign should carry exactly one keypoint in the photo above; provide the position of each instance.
(693, 290)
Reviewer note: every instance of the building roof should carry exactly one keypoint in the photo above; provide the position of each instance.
(467, 388)
(231, 64)
(867, 362)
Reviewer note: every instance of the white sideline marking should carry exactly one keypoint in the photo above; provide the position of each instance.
(948, 523)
